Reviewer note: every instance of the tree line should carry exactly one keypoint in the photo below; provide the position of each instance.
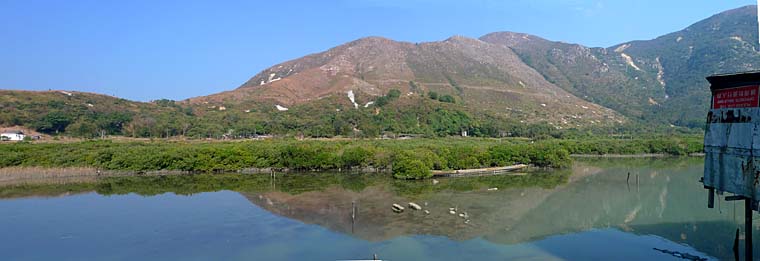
(410, 159)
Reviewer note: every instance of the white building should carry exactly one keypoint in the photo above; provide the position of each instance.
(12, 136)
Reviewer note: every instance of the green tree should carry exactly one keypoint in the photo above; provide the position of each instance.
(82, 128)
(411, 169)
(54, 122)
(447, 98)
(393, 94)
(433, 95)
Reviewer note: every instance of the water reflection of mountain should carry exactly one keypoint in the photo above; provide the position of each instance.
(668, 201)
(487, 210)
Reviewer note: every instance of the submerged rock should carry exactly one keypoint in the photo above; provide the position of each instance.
(397, 208)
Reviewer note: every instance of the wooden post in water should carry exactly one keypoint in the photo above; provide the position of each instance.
(748, 229)
(736, 245)
(353, 215)
(637, 183)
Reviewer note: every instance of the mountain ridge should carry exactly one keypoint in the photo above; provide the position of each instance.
(630, 78)
(501, 77)
(475, 71)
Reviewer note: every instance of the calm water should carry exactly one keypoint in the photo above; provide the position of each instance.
(587, 213)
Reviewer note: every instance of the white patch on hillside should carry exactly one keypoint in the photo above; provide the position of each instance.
(678, 40)
(280, 108)
(660, 72)
(368, 104)
(272, 79)
(352, 97)
(521, 83)
(629, 61)
(622, 48)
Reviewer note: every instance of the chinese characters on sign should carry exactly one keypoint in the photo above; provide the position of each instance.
(739, 97)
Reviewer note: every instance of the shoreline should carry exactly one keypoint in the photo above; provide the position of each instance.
(643, 155)
(10, 176)
(30, 175)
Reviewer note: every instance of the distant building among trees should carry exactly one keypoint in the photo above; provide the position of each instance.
(14, 135)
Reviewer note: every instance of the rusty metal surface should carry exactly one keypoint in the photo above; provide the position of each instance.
(732, 151)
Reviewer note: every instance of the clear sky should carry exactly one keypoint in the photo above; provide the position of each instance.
(146, 50)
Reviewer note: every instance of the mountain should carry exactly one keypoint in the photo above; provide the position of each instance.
(480, 75)
(501, 84)
(595, 74)
(655, 80)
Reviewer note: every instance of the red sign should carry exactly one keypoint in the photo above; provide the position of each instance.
(739, 97)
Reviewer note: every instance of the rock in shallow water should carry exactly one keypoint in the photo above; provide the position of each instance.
(397, 208)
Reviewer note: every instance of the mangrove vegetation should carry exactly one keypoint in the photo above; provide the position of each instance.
(407, 159)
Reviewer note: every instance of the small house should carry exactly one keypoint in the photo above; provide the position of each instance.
(12, 136)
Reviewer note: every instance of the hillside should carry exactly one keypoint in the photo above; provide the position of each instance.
(479, 75)
(86, 114)
(502, 84)
(724, 43)
(659, 80)
(595, 74)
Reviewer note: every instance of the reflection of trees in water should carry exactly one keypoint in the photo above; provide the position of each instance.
(331, 208)
(668, 201)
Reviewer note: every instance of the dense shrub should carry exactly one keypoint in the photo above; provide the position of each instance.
(411, 168)
(403, 156)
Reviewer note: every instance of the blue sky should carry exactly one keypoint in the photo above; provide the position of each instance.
(146, 50)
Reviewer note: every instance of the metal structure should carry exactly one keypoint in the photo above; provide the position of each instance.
(732, 143)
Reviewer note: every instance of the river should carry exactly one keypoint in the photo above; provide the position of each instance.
(594, 211)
